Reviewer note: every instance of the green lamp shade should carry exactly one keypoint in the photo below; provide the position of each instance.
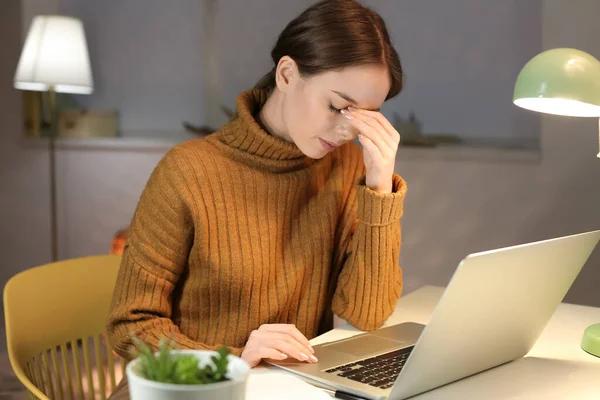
(591, 340)
(562, 82)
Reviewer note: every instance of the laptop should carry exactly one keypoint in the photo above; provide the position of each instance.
(492, 312)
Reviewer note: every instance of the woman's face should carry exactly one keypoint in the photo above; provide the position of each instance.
(311, 106)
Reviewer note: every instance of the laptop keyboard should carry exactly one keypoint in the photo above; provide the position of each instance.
(380, 371)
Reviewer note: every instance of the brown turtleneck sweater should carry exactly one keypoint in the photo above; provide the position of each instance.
(241, 229)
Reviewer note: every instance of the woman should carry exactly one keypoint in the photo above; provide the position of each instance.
(254, 236)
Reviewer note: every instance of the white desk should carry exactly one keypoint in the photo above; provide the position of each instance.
(556, 367)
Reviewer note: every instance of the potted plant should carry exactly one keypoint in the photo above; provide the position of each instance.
(185, 374)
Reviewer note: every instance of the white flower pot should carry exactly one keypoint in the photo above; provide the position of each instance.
(233, 389)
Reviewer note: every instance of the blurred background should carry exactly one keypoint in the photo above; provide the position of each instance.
(482, 173)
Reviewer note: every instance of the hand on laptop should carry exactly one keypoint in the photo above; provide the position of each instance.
(278, 342)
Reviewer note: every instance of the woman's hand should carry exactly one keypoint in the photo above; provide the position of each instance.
(278, 342)
(380, 143)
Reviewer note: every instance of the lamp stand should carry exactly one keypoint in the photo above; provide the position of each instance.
(598, 155)
(591, 340)
(52, 171)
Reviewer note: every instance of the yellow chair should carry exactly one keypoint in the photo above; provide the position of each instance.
(56, 315)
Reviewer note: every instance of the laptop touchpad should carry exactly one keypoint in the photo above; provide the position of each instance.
(365, 345)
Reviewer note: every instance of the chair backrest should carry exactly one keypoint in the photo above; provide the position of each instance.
(56, 315)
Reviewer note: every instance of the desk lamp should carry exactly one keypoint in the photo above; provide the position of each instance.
(563, 82)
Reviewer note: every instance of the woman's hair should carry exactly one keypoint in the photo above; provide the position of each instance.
(333, 34)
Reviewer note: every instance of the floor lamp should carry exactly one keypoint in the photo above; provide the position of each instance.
(54, 59)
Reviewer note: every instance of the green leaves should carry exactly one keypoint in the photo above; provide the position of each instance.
(170, 367)
(220, 363)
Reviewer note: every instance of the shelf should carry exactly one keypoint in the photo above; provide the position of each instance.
(109, 144)
(461, 152)
(471, 153)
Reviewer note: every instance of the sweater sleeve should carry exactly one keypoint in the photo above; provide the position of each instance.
(370, 280)
(154, 262)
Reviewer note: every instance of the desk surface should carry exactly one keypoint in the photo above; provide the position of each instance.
(556, 367)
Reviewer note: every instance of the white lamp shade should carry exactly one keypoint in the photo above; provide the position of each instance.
(55, 55)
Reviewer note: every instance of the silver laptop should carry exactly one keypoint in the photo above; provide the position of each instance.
(492, 312)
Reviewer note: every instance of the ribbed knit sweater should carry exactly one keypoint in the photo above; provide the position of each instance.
(240, 229)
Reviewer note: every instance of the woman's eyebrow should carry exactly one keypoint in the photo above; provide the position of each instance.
(350, 99)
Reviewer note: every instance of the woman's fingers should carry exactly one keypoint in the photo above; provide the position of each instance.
(388, 127)
(290, 330)
(384, 150)
(285, 346)
(284, 338)
(371, 147)
(377, 129)
(268, 352)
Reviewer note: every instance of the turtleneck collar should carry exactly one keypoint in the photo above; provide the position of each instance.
(246, 140)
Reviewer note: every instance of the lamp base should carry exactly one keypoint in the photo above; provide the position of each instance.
(591, 340)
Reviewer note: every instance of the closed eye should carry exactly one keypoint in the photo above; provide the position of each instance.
(334, 110)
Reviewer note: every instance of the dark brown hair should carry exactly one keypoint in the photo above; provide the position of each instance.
(333, 34)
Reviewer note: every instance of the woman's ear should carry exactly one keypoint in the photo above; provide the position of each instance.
(286, 73)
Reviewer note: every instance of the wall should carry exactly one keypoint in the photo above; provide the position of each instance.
(22, 217)
(151, 60)
(453, 208)
(460, 59)
(24, 220)
(458, 207)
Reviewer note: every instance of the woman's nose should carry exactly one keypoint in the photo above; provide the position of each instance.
(347, 131)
